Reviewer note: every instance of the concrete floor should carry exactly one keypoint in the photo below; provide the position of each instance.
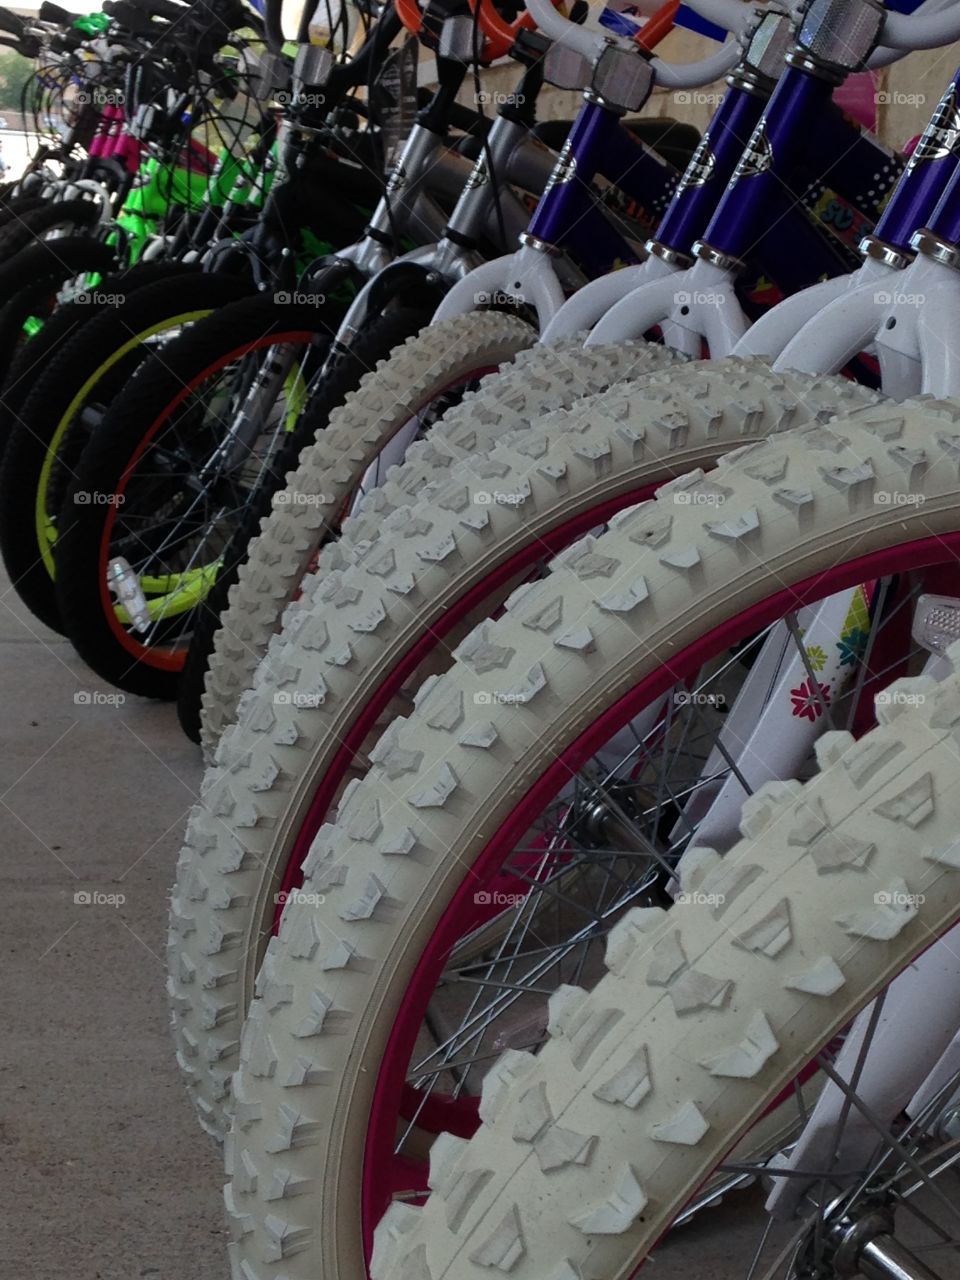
(105, 1174)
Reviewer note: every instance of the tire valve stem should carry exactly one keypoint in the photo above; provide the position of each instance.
(125, 585)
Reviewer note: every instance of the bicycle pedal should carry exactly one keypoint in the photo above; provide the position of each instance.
(125, 585)
(936, 623)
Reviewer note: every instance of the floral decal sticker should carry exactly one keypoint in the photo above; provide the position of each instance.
(852, 646)
(807, 700)
(817, 657)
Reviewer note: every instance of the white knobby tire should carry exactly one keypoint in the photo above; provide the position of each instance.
(271, 762)
(706, 1073)
(443, 782)
(330, 469)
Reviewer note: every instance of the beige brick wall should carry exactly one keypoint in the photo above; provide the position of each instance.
(911, 90)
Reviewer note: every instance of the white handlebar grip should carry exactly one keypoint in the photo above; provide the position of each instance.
(561, 29)
(910, 31)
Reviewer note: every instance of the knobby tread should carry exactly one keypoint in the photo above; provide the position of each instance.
(385, 585)
(442, 782)
(663, 1097)
(332, 467)
(20, 231)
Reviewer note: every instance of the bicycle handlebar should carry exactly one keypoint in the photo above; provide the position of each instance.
(11, 22)
(921, 31)
(589, 44)
(53, 13)
(498, 34)
(134, 17)
(162, 9)
(658, 26)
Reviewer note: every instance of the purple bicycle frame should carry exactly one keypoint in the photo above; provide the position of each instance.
(925, 196)
(801, 106)
(567, 214)
(790, 248)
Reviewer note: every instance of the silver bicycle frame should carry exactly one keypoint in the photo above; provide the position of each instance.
(518, 159)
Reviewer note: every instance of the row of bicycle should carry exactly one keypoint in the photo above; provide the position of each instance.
(570, 647)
